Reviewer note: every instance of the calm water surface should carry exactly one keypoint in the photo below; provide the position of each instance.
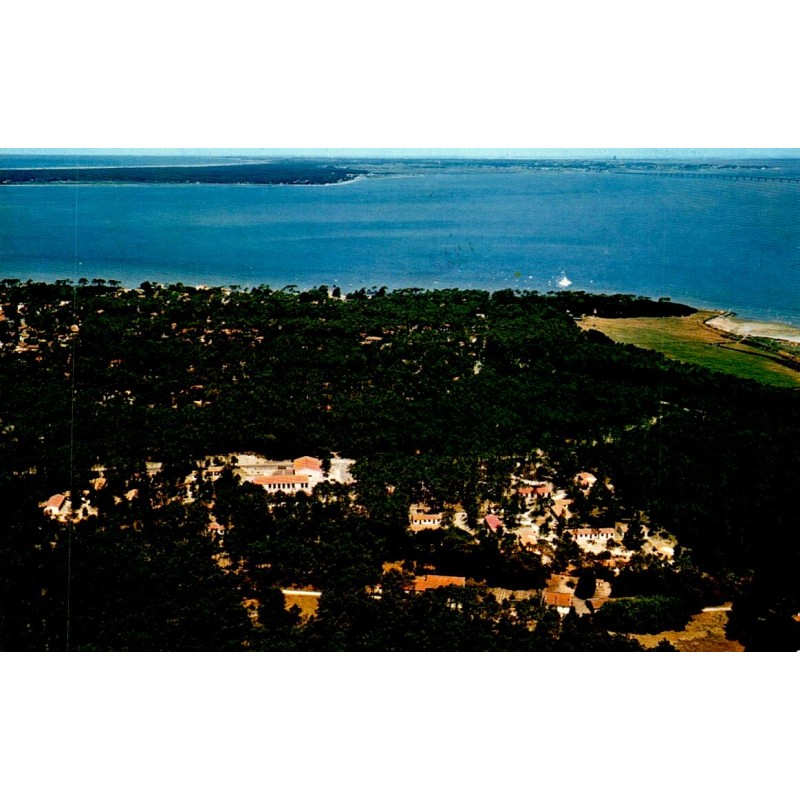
(721, 244)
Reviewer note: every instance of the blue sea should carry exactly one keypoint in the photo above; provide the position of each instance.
(722, 244)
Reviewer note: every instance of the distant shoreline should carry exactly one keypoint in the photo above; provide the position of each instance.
(718, 320)
(256, 173)
(116, 184)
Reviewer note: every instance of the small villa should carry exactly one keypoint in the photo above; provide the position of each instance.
(592, 534)
(56, 506)
(493, 523)
(421, 521)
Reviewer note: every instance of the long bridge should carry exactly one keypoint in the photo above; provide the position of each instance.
(710, 176)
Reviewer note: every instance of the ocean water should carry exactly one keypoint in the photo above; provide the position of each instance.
(731, 245)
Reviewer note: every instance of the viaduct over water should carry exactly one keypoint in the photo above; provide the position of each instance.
(710, 176)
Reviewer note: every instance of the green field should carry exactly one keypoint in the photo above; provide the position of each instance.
(689, 339)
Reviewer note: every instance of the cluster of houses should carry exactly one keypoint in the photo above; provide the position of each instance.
(21, 337)
(552, 508)
(300, 475)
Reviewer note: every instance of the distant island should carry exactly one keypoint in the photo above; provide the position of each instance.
(257, 173)
(314, 171)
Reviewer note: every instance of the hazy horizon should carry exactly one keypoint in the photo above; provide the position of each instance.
(492, 153)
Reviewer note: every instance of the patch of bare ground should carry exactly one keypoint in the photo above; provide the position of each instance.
(308, 604)
(705, 633)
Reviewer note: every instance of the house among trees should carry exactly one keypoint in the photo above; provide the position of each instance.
(300, 475)
(529, 491)
(425, 582)
(424, 521)
(216, 531)
(493, 523)
(57, 507)
(584, 481)
(561, 601)
(592, 534)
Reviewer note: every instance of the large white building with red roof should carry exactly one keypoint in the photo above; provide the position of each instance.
(300, 475)
(283, 483)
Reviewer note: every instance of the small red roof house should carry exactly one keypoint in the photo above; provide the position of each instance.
(525, 491)
(543, 490)
(426, 582)
(493, 522)
(55, 504)
(561, 601)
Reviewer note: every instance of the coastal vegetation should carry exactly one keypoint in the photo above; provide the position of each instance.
(690, 339)
(256, 172)
(136, 399)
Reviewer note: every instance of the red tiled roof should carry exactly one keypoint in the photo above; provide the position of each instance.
(56, 501)
(525, 490)
(425, 582)
(493, 521)
(562, 599)
(307, 462)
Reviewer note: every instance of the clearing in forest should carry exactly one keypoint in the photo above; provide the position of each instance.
(689, 339)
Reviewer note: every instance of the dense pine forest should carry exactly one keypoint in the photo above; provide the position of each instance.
(443, 400)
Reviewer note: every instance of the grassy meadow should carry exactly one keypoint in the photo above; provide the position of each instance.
(689, 339)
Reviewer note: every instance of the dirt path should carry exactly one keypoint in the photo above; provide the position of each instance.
(705, 633)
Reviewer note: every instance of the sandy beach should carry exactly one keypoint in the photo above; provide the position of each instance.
(744, 327)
